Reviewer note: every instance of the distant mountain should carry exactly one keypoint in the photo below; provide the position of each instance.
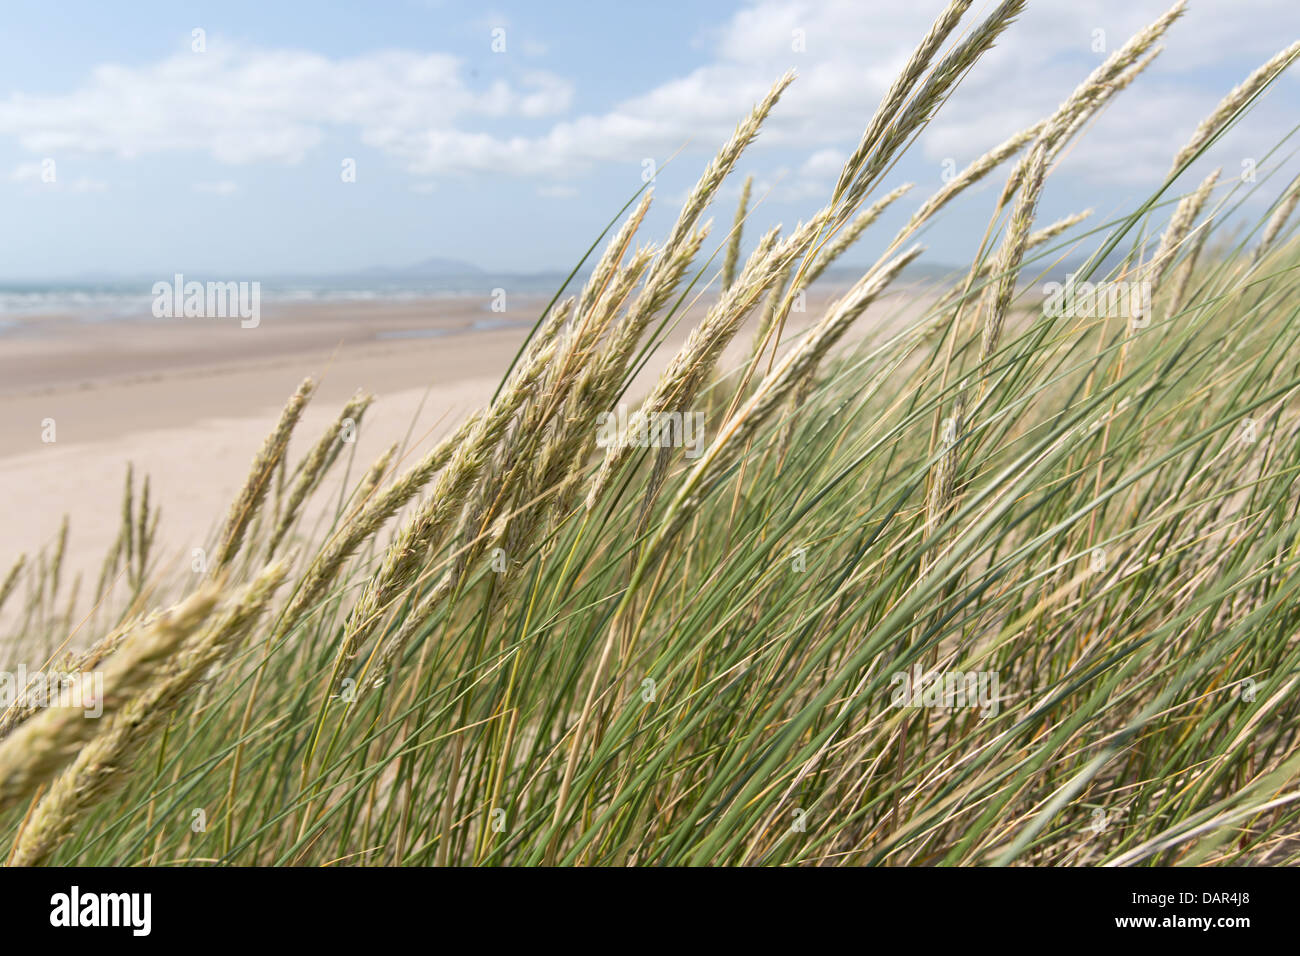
(428, 268)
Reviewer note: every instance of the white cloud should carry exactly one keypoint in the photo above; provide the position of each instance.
(243, 105)
(824, 163)
(1049, 51)
(44, 175)
(221, 187)
(849, 61)
(27, 173)
(558, 191)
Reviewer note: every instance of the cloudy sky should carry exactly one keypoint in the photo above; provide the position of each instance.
(195, 136)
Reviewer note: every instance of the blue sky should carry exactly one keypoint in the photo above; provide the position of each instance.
(227, 160)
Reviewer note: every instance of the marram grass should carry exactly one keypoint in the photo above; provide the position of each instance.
(518, 647)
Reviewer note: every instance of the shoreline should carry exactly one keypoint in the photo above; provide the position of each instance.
(189, 404)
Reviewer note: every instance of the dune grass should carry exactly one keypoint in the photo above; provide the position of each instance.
(521, 647)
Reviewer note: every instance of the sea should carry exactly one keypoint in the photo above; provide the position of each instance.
(107, 300)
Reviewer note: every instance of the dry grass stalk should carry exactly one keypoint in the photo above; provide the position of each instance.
(128, 515)
(684, 240)
(71, 663)
(943, 475)
(1180, 226)
(426, 528)
(1098, 97)
(102, 763)
(685, 374)
(11, 579)
(694, 362)
(850, 234)
(39, 747)
(734, 435)
(60, 549)
(737, 227)
(863, 169)
(907, 78)
(1036, 238)
(609, 262)
(997, 297)
(968, 177)
(1183, 277)
(375, 473)
(1231, 104)
(375, 509)
(767, 320)
(259, 478)
(1116, 73)
(777, 386)
(316, 464)
(1272, 230)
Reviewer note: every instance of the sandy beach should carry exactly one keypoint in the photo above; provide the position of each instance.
(188, 403)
